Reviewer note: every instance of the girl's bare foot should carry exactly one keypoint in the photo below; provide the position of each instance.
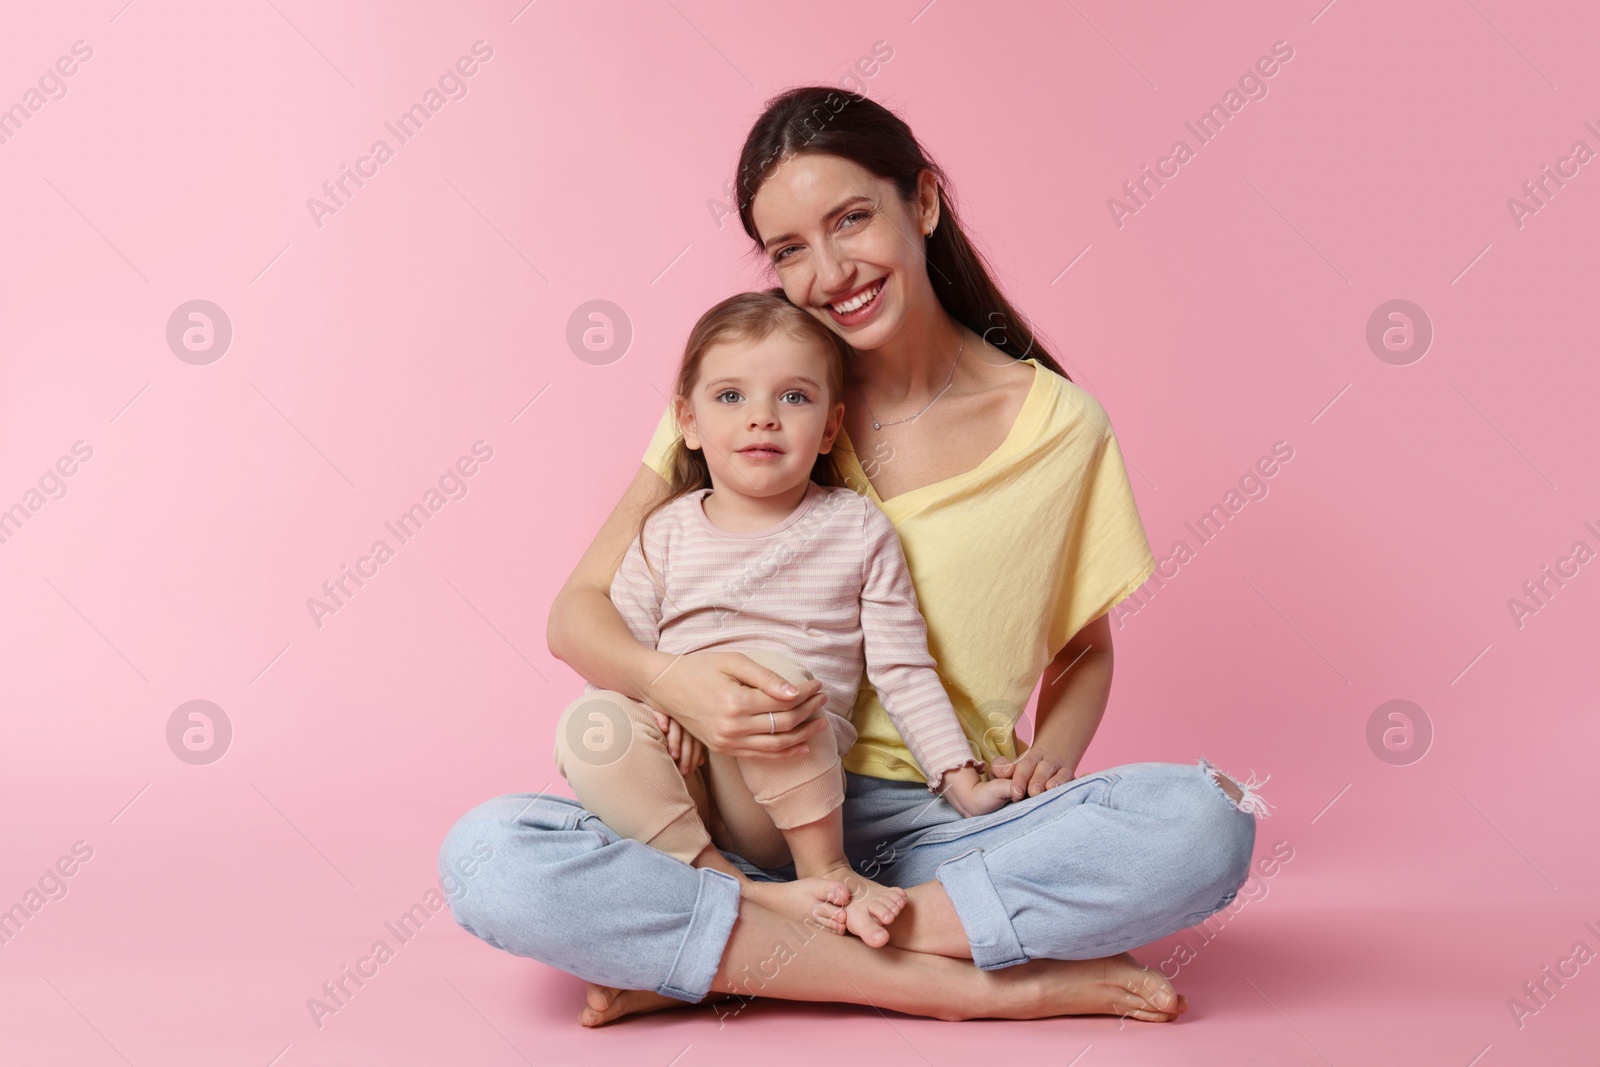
(1113, 985)
(816, 900)
(872, 906)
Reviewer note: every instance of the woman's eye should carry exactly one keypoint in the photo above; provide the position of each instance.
(783, 253)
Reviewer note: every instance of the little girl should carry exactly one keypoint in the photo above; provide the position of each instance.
(759, 549)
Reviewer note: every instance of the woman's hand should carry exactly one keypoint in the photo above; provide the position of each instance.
(722, 698)
(1033, 772)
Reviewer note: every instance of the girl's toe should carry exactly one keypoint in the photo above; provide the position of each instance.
(873, 934)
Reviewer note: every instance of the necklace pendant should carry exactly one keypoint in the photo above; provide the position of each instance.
(875, 425)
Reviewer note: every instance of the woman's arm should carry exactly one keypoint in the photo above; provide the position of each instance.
(585, 630)
(1072, 699)
(721, 697)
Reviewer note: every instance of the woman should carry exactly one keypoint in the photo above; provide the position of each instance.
(1005, 484)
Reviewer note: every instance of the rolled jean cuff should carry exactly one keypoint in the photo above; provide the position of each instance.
(983, 916)
(716, 906)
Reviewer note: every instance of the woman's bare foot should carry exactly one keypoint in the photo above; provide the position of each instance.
(817, 900)
(606, 1004)
(1113, 985)
(872, 906)
(1040, 989)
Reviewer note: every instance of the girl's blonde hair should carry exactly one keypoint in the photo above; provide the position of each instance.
(748, 318)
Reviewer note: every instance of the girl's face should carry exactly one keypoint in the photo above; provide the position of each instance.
(835, 233)
(761, 413)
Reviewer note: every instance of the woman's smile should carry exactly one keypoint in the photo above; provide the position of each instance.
(860, 307)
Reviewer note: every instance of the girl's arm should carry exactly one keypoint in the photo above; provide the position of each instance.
(1072, 700)
(902, 670)
(722, 697)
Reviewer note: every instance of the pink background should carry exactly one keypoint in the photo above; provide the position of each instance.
(431, 311)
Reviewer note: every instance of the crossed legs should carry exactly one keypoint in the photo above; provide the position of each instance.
(770, 812)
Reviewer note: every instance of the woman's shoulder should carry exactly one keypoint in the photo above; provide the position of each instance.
(1072, 403)
(666, 434)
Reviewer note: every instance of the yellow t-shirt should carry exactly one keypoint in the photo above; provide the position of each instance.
(1009, 561)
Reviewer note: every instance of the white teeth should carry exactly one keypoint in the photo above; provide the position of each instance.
(858, 302)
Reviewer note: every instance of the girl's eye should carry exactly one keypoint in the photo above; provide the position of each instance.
(805, 398)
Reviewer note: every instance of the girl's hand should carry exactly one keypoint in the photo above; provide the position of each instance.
(1032, 773)
(722, 698)
(685, 748)
(972, 797)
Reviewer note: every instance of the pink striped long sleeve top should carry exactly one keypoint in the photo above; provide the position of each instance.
(828, 586)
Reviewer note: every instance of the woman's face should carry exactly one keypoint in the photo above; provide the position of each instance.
(836, 234)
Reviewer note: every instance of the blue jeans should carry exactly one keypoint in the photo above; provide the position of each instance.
(1097, 866)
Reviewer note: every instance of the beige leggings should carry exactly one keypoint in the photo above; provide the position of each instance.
(615, 757)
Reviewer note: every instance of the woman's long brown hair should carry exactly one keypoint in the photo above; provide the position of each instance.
(824, 120)
(745, 318)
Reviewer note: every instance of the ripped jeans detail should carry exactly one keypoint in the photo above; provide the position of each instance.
(1248, 800)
